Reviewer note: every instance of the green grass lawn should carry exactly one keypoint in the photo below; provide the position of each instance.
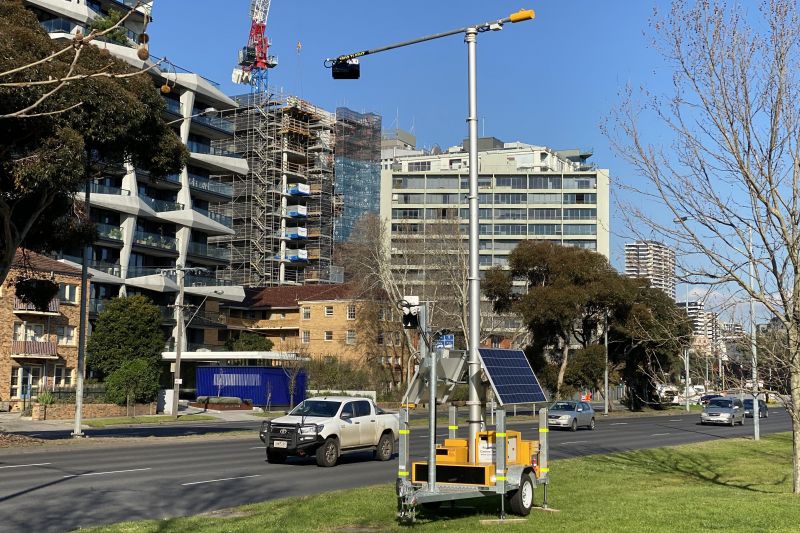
(147, 419)
(732, 485)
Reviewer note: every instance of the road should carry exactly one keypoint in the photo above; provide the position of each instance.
(64, 489)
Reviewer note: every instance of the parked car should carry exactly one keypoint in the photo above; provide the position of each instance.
(571, 414)
(324, 427)
(706, 397)
(763, 411)
(723, 411)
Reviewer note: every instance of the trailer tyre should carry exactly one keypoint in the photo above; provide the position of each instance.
(385, 449)
(328, 453)
(275, 457)
(522, 499)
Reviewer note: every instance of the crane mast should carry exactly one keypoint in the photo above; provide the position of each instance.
(254, 59)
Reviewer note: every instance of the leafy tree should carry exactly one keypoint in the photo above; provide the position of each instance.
(249, 342)
(105, 114)
(568, 292)
(116, 35)
(128, 329)
(134, 381)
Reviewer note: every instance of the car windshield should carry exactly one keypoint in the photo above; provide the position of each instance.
(748, 403)
(563, 406)
(324, 408)
(720, 402)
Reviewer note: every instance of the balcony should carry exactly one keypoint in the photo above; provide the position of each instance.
(21, 307)
(59, 25)
(201, 183)
(34, 349)
(142, 271)
(161, 206)
(167, 313)
(109, 232)
(204, 250)
(97, 306)
(193, 280)
(154, 240)
(216, 217)
(211, 121)
(106, 189)
(174, 106)
(202, 148)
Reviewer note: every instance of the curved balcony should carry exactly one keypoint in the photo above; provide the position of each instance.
(201, 183)
(161, 206)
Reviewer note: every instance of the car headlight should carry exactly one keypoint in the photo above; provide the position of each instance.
(311, 430)
(563, 417)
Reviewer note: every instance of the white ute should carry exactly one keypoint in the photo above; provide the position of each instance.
(325, 427)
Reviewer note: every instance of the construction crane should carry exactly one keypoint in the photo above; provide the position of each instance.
(254, 59)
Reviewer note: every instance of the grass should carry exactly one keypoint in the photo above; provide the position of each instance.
(731, 485)
(147, 419)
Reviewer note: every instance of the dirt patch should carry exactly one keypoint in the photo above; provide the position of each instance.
(9, 440)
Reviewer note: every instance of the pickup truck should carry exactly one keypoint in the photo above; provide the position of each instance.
(324, 427)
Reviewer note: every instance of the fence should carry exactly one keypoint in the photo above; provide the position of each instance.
(92, 393)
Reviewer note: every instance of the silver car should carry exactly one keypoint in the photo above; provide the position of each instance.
(723, 410)
(571, 414)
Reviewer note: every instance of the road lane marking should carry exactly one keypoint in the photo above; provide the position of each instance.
(660, 434)
(675, 419)
(258, 447)
(575, 442)
(619, 423)
(22, 466)
(215, 480)
(110, 472)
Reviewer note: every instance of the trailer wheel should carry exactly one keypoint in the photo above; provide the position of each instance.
(385, 449)
(275, 457)
(328, 453)
(522, 499)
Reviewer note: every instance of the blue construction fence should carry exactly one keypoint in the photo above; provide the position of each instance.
(264, 386)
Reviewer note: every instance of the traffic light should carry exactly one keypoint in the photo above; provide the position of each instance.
(349, 69)
(410, 307)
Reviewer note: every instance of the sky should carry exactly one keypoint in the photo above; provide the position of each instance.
(551, 81)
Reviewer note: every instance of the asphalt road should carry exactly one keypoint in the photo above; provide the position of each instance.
(68, 488)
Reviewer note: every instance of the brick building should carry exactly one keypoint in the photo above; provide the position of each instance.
(38, 349)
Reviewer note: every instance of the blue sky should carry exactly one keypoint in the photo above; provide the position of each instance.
(550, 81)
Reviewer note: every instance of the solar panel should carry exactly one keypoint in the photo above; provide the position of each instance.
(511, 376)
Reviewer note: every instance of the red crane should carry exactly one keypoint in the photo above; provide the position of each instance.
(254, 59)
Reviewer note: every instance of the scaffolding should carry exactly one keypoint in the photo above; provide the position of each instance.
(283, 209)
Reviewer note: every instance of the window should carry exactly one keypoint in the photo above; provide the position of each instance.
(66, 335)
(397, 338)
(510, 198)
(379, 339)
(411, 198)
(580, 229)
(328, 310)
(350, 338)
(580, 198)
(68, 293)
(514, 182)
(545, 213)
(511, 213)
(328, 336)
(305, 336)
(381, 314)
(442, 182)
(62, 377)
(544, 229)
(28, 332)
(544, 182)
(306, 313)
(544, 198)
(351, 312)
(580, 183)
(509, 229)
(399, 214)
(483, 213)
(362, 408)
(580, 214)
(419, 166)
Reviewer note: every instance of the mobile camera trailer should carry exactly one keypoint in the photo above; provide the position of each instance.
(505, 465)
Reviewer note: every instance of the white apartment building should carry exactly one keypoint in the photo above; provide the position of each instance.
(147, 226)
(654, 261)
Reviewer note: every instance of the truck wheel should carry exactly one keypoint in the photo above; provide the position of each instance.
(522, 499)
(275, 457)
(385, 448)
(328, 453)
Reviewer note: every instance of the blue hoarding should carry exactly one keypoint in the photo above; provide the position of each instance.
(262, 385)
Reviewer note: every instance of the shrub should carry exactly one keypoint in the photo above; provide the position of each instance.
(220, 400)
(46, 398)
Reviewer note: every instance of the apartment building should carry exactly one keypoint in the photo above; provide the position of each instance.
(146, 226)
(654, 261)
(38, 348)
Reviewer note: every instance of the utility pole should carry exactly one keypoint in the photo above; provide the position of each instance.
(753, 346)
(176, 383)
(686, 352)
(82, 325)
(605, 374)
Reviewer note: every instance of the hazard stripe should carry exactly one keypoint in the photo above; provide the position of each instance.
(544, 470)
(402, 474)
(452, 427)
(405, 431)
(500, 434)
(543, 430)
(500, 478)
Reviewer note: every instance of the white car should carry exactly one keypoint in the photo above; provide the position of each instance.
(327, 426)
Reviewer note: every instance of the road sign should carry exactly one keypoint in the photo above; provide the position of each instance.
(445, 341)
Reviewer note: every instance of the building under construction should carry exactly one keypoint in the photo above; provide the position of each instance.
(283, 210)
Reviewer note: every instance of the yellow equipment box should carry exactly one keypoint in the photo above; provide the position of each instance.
(453, 474)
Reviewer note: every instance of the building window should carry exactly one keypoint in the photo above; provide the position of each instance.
(381, 314)
(328, 310)
(306, 313)
(580, 198)
(379, 340)
(305, 337)
(419, 166)
(351, 312)
(68, 293)
(62, 377)
(66, 335)
(328, 336)
(350, 338)
(397, 338)
(28, 332)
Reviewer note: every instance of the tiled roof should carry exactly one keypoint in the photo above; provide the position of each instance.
(289, 295)
(41, 263)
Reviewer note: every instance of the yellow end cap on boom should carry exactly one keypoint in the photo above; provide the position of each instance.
(522, 14)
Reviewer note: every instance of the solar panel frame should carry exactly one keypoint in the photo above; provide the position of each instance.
(511, 376)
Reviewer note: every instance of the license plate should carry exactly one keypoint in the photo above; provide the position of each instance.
(280, 444)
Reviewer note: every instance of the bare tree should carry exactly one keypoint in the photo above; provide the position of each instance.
(726, 161)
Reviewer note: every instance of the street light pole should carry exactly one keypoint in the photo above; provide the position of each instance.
(686, 352)
(753, 346)
(605, 374)
(80, 371)
(176, 383)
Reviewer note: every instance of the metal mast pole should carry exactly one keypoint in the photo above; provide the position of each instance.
(605, 373)
(474, 281)
(753, 347)
(686, 351)
(176, 387)
(82, 325)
